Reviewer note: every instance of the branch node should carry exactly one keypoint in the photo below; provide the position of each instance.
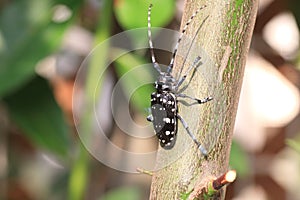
(223, 180)
(214, 187)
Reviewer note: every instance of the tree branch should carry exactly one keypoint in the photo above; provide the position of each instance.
(224, 39)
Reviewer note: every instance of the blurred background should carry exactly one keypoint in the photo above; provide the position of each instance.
(44, 43)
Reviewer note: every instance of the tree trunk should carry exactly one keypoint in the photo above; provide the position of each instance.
(224, 38)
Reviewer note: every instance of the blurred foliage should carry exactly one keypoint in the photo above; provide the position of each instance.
(294, 6)
(124, 193)
(294, 144)
(131, 13)
(35, 111)
(28, 34)
(239, 160)
(124, 65)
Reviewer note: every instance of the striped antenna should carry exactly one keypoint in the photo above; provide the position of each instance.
(155, 64)
(190, 47)
(170, 67)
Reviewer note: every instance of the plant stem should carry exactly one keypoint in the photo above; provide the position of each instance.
(79, 175)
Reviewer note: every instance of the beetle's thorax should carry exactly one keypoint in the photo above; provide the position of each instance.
(165, 82)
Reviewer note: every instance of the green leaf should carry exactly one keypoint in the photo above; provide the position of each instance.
(238, 160)
(124, 193)
(27, 35)
(36, 113)
(185, 196)
(133, 13)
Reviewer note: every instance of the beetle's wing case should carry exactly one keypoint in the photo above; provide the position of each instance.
(164, 111)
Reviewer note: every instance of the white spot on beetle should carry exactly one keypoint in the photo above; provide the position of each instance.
(167, 120)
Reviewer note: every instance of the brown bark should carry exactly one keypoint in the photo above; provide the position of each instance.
(224, 39)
